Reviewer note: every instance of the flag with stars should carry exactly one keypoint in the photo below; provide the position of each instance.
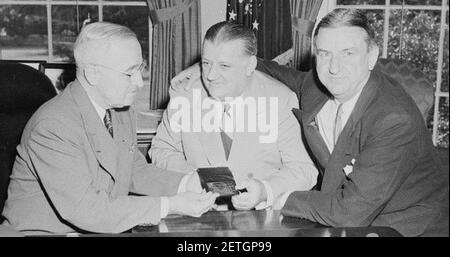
(270, 20)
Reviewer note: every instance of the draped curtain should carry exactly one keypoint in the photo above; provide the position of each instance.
(176, 44)
(304, 14)
(269, 19)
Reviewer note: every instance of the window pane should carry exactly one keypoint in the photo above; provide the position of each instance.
(419, 34)
(417, 2)
(442, 139)
(143, 1)
(446, 19)
(376, 20)
(135, 18)
(65, 28)
(444, 85)
(361, 2)
(23, 32)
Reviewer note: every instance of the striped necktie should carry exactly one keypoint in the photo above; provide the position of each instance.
(108, 122)
(337, 124)
(226, 139)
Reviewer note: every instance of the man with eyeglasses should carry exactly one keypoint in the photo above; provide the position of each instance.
(77, 161)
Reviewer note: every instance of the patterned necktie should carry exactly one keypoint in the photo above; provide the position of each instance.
(337, 124)
(108, 122)
(226, 139)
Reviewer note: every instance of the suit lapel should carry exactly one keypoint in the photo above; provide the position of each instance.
(123, 131)
(242, 138)
(345, 148)
(313, 99)
(211, 142)
(103, 145)
(213, 147)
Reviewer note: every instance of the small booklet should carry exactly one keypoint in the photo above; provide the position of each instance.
(218, 180)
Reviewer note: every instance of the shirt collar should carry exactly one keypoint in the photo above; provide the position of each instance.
(100, 110)
(347, 107)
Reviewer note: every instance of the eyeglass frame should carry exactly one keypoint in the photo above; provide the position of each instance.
(140, 68)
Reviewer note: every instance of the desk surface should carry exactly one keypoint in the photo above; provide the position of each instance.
(254, 224)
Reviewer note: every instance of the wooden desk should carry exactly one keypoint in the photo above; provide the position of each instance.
(252, 224)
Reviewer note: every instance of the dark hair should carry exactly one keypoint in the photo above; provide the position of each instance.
(228, 31)
(347, 18)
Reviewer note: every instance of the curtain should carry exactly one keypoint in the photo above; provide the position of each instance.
(304, 14)
(269, 19)
(176, 44)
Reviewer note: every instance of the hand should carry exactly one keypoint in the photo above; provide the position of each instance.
(180, 80)
(193, 183)
(191, 204)
(255, 194)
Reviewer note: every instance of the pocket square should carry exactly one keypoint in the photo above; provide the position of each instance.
(348, 169)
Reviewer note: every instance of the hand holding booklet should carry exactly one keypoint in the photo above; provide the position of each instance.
(218, 180)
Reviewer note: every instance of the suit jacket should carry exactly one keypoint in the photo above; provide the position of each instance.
(71, 175)
(283, 163)
(383, 170)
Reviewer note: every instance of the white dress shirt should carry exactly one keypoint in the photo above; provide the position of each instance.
(326, 117)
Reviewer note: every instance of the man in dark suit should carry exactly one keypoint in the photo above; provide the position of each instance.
(378, 165)
(78, 161)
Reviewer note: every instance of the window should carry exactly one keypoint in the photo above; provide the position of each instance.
(416, 31)
(46, 29)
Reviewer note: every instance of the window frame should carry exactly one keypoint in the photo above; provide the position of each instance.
(99, 3)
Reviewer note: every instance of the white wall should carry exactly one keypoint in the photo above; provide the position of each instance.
(212, 11)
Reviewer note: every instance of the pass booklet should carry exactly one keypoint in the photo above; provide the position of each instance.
(218, 180)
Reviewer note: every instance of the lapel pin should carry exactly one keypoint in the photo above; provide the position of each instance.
(349, 168)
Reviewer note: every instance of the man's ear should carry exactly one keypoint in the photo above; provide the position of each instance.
(91, 75)
(251, 65)
(373, 56)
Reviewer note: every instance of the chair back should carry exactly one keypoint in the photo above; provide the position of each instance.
(413, 80)
(22, 90)
(60, 74)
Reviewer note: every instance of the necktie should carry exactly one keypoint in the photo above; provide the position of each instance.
(108, 122)
(337, 124)
(226, 139)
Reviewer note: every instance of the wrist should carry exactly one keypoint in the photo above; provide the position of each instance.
(171, 205)
(263, 192)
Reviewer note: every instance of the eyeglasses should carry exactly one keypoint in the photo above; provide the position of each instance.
(141, 68)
